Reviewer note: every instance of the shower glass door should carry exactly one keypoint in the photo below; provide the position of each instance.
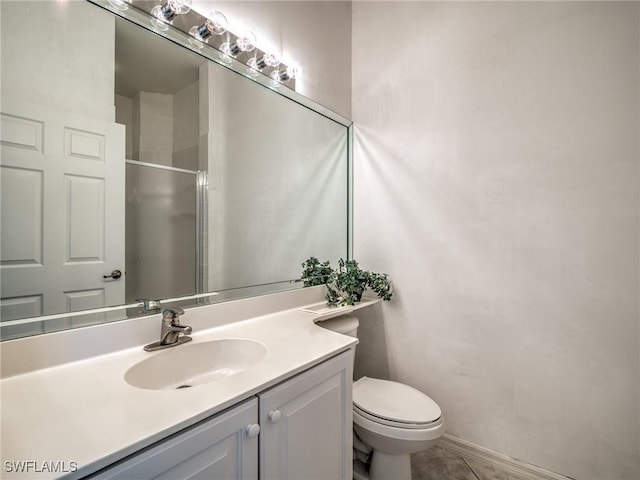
(162, 225)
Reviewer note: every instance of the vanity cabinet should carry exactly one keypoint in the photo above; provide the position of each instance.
(298, 429)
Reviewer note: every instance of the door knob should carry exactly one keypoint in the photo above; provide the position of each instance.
(253, 430)
(116, 274)
(275, 416)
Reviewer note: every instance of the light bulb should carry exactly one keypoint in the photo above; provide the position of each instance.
(274, 83)
(180, 6)
(252, 70)
(226, 59)
(215, 24)
(284, 75)
(247, 41)
(244, 43)
(168, 10)
(120, 5)
(267, 60)
(229, 50)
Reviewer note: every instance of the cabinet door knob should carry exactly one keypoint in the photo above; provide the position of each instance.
(275, 416)
(253, 430)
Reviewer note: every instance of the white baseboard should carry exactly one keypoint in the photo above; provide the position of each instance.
(503, 462)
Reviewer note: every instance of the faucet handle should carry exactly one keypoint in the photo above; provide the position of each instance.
(173, 313)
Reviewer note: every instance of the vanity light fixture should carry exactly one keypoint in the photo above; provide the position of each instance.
(212, 31)
(166, 12)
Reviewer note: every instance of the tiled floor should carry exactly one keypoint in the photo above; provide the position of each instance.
(438, 463)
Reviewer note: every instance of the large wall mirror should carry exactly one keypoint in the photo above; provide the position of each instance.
(134, 170)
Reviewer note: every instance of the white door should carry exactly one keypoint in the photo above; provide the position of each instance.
(306, 425)
(62, 180)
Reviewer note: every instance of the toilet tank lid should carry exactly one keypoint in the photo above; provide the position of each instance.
(394, 401)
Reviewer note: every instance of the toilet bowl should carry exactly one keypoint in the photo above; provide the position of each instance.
(390, 420)
(395, 420)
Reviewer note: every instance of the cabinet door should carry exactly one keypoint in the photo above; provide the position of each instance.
(220, 448)
(306, 424)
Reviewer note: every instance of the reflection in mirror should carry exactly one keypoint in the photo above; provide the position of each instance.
(132, 153)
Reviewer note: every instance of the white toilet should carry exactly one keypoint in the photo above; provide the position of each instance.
(391, 420)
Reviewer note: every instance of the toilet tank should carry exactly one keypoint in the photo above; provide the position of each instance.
(346, 325)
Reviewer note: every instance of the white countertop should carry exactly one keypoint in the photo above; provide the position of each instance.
(85, 412)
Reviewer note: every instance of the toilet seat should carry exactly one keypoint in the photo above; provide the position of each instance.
(396, 432)
(394, 404)
(390, 423)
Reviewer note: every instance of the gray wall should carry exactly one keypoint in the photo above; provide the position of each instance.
(30, 76)
(497, 183)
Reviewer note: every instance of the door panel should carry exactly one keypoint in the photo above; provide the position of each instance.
(21, 132)
(85, 300)
(22, 219)
(85, 222)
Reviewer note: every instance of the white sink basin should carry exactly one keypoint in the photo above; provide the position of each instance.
(195, 364)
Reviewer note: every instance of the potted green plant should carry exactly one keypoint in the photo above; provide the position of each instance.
(316, 273)
(347, 284)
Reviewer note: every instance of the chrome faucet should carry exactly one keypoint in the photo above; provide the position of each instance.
(171, 328)
(172, 333)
